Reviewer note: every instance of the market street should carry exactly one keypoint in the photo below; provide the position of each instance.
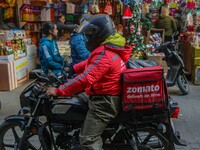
(187, 123)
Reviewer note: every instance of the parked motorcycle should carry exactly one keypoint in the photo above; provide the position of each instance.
(64, 116)
(176, 73)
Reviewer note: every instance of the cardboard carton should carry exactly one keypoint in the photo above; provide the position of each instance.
(7, 77)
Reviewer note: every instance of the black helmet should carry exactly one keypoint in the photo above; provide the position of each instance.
(96, 29)
(84, 17)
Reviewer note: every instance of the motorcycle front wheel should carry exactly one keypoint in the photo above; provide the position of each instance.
(11, 134)
(183, 84)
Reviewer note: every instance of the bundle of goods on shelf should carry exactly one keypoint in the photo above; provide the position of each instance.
(7, 3)
(38, 2)
(195, 40)
(159, 58)
(5, 51)
(12, 44)
(30, 13)
(155, 40)
(174, 10)
(195, 60)
(64, 48)
(37, 10)
(195, 65)
(196, 75)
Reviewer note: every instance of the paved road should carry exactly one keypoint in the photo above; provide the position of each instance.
(188, 122)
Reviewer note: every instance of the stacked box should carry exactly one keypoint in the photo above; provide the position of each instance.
(13, 74)
(21, 71)
(195, 65)
(160, 60)
(157, 58)
(64, 48)
(7, 77)
(6, 59)
(187, 49)
(196, 76)
(196, 56)
(31, 57)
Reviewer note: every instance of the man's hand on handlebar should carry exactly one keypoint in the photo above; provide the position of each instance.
(51, 91)
(67, 69)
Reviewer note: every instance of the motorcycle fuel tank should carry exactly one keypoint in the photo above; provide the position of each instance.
(65, 110)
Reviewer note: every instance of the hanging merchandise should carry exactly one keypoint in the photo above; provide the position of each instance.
(198, 16)
(108, 8)
(174, 6)
(148, 1)
(95, 8)
(138, 33)
(190, 4)
(190, 23)
(132, 29)
(11, 3)
(70, 8)
(127, 13)
(145, 8)
(4, 4)
(9, 13)
(85, 9)
(173, 9)
(53, 1)
(38, 2)
(166, 1)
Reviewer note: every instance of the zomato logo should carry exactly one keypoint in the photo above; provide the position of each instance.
(141, 89)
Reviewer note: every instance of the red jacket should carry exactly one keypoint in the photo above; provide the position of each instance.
(100, 74)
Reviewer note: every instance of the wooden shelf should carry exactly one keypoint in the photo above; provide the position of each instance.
(35, 31)
(33, 21)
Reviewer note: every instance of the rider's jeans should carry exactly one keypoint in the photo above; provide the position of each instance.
(102, 109)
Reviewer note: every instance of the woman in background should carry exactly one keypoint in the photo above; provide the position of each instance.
(49, 56)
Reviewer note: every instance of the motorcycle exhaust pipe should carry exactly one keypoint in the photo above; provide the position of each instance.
(177, 140)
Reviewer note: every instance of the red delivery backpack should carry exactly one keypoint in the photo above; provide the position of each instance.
(144, 88)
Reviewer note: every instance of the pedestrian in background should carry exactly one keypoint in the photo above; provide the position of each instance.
(166, 22)
(79, 51)
(49, 56)
(62, 27)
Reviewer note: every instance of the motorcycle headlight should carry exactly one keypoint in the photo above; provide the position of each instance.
(29, 96)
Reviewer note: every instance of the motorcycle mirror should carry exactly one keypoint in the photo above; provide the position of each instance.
(53, 75)
(40, 74)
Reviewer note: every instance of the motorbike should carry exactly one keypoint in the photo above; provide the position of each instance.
(176, 74)
(47, 122)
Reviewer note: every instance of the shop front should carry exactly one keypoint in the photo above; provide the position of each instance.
(21, 21)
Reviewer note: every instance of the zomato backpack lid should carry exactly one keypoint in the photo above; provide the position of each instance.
(143, 88)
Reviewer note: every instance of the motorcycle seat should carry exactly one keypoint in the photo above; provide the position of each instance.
(145, 63)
